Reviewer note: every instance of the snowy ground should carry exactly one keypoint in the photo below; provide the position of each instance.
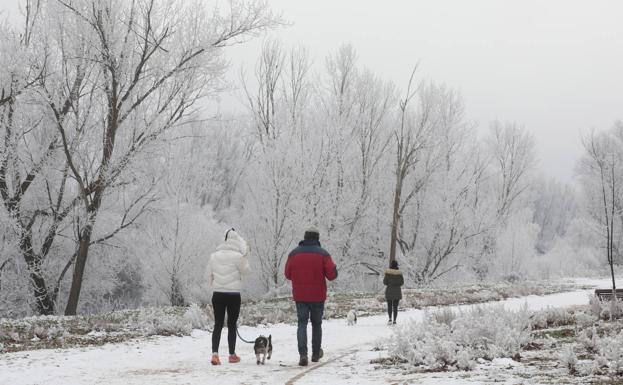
(185, 360)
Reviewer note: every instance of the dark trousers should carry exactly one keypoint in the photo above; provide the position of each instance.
(392, 307)
(230, 303)
(305, 311)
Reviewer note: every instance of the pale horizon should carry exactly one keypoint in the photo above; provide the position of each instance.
(552, 67)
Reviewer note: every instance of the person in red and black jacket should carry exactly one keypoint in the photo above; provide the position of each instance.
(308, 267)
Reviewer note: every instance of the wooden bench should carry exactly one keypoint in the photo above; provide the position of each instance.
(606, 294)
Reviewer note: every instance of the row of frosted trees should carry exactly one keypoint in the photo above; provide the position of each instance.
(115, 187)
(87, 89)
(386, 174)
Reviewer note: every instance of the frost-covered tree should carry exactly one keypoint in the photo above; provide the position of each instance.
(513, 161)
(443, 217)
(366, 154)
(91, 86)
(600, 172)
(513, 153)
(149, 82)
(555, 206)
(32, 177)
(107, 169)
(412, 134)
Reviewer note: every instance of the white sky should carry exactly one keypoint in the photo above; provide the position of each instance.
(553, 66)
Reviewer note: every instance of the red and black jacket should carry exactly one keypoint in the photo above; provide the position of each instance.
(307, 267)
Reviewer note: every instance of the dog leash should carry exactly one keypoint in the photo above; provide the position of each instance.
(237, 332)
(243, 340)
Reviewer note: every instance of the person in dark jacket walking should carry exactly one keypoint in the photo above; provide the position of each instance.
(308, 267)
(393, 279)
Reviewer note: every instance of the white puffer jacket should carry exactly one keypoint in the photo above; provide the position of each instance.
(228, 264)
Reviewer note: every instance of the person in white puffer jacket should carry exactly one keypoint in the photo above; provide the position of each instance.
(224, 273)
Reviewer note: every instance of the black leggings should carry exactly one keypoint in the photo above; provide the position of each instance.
(222, 302)
(392, 306)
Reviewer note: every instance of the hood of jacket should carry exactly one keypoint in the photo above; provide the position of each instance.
(393, 272)
(234, 242)
(228, 264)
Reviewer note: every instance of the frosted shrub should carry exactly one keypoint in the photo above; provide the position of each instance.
(605, 309)
(589, 339)
(444, 316)
(617, 308)
(551, 317)
(146, 324)
(584, 320)
(155, 323)
(611, 352)
(494, 330)
(440, 343)
(40, 332)
(57, 332)
(609, 310)
(599, 365)
(196, 317)
(267, 313)
(569, 359)
(539, 320)
(9, 332)
(276, 316)
(464, 361)
(595, 305)
(380, 344)
(614, 309)
(422, 344)
(172, 325)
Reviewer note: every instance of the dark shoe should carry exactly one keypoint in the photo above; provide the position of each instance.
(394, 322)
(316, 357)
(303, 361)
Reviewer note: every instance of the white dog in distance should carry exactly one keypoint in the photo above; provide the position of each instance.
(351, 318)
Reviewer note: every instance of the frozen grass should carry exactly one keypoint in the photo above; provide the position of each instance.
(339, 304)
(60, 332)
(574, 345)
(445, 341)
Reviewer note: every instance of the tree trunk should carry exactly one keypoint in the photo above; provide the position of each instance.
(44, 303)
(92, 209)
(177, 297)
(610, 255)
(614, 286)
(276, 277)
(395, 218)
(79, 266)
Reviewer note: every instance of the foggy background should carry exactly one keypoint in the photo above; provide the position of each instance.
(552, 66)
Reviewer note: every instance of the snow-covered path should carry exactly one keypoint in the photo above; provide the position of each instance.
(185, 360)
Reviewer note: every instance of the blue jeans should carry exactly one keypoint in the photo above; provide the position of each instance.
(305, 310)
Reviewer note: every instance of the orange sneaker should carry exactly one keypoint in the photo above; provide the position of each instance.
(215, 360)
(233, 358)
